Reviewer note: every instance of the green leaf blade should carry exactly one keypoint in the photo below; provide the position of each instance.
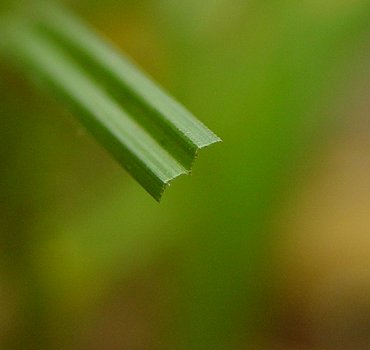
(152, 136)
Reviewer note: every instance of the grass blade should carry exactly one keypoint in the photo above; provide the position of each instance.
(150, 134)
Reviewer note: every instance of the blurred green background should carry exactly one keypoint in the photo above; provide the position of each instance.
(266, 246)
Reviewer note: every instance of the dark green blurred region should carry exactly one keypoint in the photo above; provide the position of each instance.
(74, 227)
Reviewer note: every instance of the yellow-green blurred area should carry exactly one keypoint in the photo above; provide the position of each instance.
(266, 246)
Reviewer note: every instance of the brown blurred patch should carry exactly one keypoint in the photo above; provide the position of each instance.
(323, 278)
(136, 315)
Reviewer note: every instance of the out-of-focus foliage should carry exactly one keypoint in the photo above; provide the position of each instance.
(90, 262)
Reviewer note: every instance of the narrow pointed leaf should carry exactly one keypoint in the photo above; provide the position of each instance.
(151, 135)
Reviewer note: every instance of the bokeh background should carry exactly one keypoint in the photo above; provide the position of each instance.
(266, 246)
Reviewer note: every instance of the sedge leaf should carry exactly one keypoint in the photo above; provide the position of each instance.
(149, 133)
